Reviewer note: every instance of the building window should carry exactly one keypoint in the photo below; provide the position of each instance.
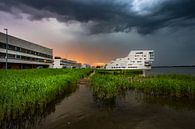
(18, 49)
(2, 45)
(11, 56)
(33, 52)
(18, 57)
(133, 67)
(23, 58)
(2, 55)
(28, 51)
(23, 50)
(10, 47)
(139, 52)
(151, 55)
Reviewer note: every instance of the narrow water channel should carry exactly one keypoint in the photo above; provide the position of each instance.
(132, 110)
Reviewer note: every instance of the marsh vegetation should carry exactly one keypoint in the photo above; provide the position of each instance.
(21, 90)
(107, 84)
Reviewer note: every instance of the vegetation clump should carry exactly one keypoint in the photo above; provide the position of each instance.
(107, 84)
(166, 85)
(24, 89)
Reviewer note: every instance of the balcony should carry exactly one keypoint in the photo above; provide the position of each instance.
(147, 63)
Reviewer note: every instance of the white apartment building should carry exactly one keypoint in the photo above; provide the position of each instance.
(23, 54)
(65, 63)
(137, 59)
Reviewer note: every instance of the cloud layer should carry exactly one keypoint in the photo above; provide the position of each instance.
(107, 16)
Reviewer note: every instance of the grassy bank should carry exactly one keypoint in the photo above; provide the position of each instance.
(24, 89)
(108, 85)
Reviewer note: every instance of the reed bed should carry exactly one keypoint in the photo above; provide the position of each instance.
(24, 89)
(166, 85)
(109, 85)
(119, 72)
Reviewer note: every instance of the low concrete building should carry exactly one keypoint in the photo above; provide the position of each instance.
(137, 59)
(65, 63)
(85, 66)
(24, 54)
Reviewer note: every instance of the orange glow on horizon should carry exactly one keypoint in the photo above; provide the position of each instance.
(79, 58)
(99, 64)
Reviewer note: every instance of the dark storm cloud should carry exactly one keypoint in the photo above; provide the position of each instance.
(108, 15)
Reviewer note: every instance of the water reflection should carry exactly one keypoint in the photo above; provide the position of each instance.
(171, 102)
(139, 97)
(33, 117)
(108, 103)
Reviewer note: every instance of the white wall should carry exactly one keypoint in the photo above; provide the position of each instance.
(57, 63)
(136, 59)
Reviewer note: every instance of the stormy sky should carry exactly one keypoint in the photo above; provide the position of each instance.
(97, 31)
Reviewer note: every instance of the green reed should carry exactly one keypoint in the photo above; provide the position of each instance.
(172, 85)
(105, 84)
(109, 83)
(24, 89)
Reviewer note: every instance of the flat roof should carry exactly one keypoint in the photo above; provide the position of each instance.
(24, 40)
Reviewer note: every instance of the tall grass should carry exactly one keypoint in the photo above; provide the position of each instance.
(166, 85)
(24, 89)
(108, 85)
(119, 72)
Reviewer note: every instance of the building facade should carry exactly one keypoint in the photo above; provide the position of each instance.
(65, 63)
(85, 66)
(24, 54)
(137, 59)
